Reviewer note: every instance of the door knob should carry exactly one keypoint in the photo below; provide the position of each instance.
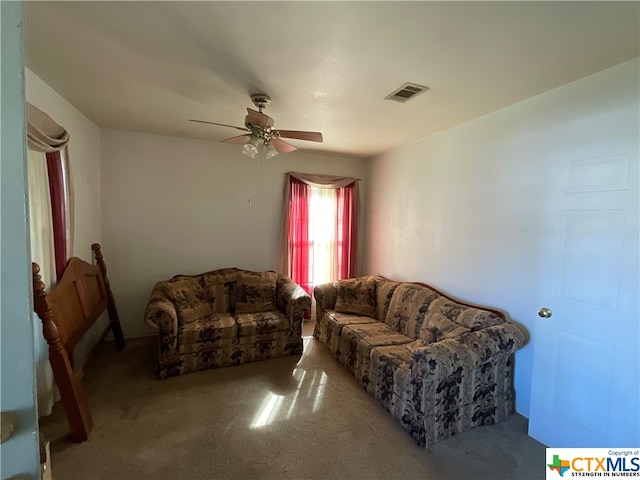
(544, 312)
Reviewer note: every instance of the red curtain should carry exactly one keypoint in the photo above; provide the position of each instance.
(346, 237)
(58, 210)
(299, 241)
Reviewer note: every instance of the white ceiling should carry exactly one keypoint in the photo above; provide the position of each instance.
(149, 66)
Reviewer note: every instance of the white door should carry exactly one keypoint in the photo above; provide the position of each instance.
(585, 379)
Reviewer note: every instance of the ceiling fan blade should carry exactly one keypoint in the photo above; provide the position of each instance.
(259, 119)
(238, 139)
(311, 136)
(220, 124)
(282, 146)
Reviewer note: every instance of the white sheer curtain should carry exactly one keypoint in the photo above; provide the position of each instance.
(41, 228)
(68, 196)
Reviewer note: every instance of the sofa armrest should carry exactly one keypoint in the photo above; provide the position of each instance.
(291, 299)
(325, 295)
(470, 350)
(161, 312)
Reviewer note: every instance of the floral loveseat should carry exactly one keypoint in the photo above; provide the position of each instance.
(225, 317)
(437, 365)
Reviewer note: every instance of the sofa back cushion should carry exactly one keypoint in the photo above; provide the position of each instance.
(473, 318)
(384, 293)
(449, 319)
(408, 307)
(191, 300)
(219, 285)
(255, 291)
(435, 328)
(356, 296)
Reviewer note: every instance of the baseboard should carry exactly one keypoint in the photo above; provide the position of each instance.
(522, 410)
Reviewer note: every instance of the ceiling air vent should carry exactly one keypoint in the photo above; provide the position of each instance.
(406, 92)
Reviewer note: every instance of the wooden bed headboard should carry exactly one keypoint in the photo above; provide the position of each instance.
(67, 312)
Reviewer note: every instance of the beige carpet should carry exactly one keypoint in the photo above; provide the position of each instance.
(290, 418)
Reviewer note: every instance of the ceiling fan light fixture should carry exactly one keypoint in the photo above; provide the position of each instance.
(270, 151)
(250, 149)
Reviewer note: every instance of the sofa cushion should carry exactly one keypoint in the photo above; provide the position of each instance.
(408, 308)
(255, 292)
(190, 299)
(219, 284)
(356, 296)
(260, 323)
(435, 328)
(384, 293)
(356, 342)
(342, 319)
(374, 334)
(329, 326)
(472, 318)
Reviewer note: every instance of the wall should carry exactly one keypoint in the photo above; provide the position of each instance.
(172, 205)
(19, 454)
(461, 209)
(84, 156)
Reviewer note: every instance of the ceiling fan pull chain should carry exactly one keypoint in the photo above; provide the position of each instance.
(250, 180)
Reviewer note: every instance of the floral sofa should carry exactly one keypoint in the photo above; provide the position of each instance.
(225, 317)
(438, 366)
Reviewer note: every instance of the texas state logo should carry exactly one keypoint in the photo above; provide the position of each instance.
(559, 465)
(592, 462)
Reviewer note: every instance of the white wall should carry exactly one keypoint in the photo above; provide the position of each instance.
(172, 205)
(84, 156)
(461, 209)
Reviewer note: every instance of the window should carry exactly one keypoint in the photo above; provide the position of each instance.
(323, 217)
(319, 229)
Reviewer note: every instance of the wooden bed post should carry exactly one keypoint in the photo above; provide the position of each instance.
(71, 391)
(114, 319)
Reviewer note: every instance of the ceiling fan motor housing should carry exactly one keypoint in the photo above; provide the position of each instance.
(266, 131)
(258, 130)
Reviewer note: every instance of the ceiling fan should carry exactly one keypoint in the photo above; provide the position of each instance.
(261, 131)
